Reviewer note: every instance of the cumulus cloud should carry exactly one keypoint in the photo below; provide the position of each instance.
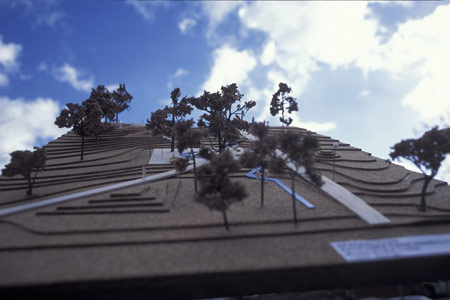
(9, 53)
(186, 24)
(230, 66)
(69, 74)
(24, 123)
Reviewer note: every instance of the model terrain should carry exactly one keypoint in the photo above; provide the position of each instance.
(153, 236)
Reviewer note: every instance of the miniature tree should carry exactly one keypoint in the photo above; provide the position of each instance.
(159, 123)
(217, 191)
(426, 152)
(122, 99)
(299, 152)
(73, 117)
(224, 113)
(188, 138)
(25, 163)
(282, 104)
(178, 111)
(104, 99)
(85, 120)
(260, 152)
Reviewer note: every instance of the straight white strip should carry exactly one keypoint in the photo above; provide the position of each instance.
(24, 207)
(392, 248)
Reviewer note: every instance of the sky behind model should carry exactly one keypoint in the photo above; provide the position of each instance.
(367, 73)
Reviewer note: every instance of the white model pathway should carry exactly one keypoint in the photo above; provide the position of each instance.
(342, 195)
(109, 188)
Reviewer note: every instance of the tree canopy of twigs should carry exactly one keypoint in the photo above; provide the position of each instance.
(260, 152)
(25, 163)
(426, 152)
(282, 103)
(223, 113)
(217, 191)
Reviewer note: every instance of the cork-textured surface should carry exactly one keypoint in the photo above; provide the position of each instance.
(156, 230)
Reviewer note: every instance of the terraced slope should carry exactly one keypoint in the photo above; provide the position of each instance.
(153, 238)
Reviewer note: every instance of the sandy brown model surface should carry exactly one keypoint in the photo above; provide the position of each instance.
(153, 239)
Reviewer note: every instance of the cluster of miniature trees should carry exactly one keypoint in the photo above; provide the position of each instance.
(86, 118)
(223, 118)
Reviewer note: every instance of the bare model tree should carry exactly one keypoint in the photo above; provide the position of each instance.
(426, 152)
(224, 113)
(260, 152)
(282, 104)
(25, 163)
(187, 137)
(299, 151)
(217, 191)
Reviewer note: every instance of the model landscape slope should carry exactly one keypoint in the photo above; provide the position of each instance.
(154, 238)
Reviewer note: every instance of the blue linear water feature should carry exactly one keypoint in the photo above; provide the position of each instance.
(302, 200)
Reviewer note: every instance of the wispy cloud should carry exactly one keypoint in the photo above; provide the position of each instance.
(186, 24)
(69, 74)
(9, 53)
(24, 123)
(146, 8)
(180, 72)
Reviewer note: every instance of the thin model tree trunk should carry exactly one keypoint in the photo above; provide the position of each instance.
(225, 220)
(195, 170)
(423, 206)
(262, 187)
(82, 147)
(172, 141)
(294, 202)
(30, 185)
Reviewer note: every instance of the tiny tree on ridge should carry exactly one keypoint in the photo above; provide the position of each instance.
(285, 104)
(25, 163)
(122, 99)
(223, 113)
(427, 153)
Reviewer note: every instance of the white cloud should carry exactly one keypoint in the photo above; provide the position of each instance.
(180, 72)
(50, 19)
(112, 87)
(9, 53)
(230, 66)
(69, 74)
(186, 24)
(364, 93)
(269, 53)
(22, 123)
(146, 8)
(216, 12)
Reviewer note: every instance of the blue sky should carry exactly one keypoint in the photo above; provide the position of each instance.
(366, 73)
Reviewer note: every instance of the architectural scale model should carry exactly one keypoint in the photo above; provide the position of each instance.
(122, 222)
